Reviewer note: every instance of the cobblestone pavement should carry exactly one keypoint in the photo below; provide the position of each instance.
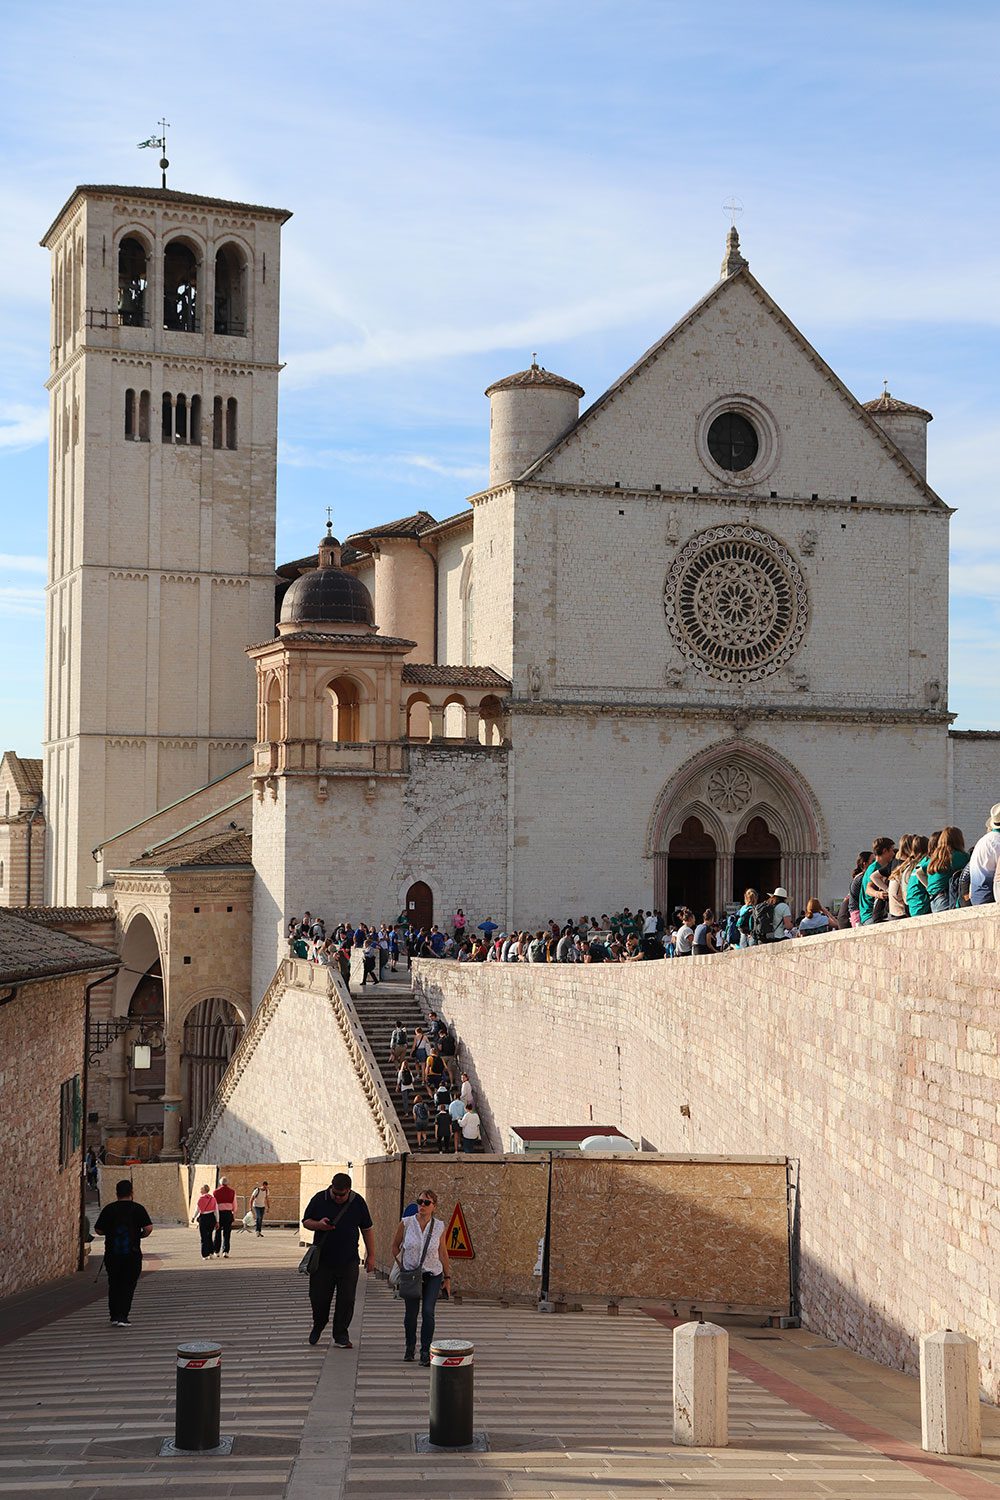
(575, 1405)
(84, 1406)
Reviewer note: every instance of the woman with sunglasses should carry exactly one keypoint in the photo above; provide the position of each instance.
(417, 1245)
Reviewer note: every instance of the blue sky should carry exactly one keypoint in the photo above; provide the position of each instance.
(471, 182)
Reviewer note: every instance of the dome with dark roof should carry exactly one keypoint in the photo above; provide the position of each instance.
(330, 596)
(535, 375)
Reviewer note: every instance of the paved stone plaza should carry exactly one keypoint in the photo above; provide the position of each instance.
(574, 1405)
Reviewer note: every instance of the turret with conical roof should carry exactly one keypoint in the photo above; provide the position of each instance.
(528, 412)
(906, 425)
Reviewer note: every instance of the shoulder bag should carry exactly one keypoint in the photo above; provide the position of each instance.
(410, 1283)
(310, 1261)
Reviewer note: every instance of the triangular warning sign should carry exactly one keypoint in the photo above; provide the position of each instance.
(457, 1239)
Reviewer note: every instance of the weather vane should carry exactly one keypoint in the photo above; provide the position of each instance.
(160, 142)
(733, 208)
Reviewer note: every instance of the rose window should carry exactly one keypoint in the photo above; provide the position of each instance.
(729, 789)
(736, 602)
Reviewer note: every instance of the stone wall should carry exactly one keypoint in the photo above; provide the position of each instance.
(869, 1058)
(41, 1047)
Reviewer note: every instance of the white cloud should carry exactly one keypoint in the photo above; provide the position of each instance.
(22, 426)
(20, 603)
(13, 562)
(448, 471)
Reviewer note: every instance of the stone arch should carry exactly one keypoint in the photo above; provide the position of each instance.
(182, 266)
(232, 289)
(135, 258)
(213, 1027)
(727, 786)
(455, 717)
(418, 717)
(466, 598)
(271, 699)
(141, 949)
(346, 695)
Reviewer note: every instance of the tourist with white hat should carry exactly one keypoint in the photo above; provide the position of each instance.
(781, 914)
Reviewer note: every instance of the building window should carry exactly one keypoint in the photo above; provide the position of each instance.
(217, 422)
(230, 291)
(181, 420)
(130, 427)
(194, 420)
(132, 283)
(144, 417)
(180, 287)
(231, 422)
(70, 1120)
(168, 417)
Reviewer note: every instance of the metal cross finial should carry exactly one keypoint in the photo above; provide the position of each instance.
(885, 387)
(329, 513)
(159, 141)
(733, 208)
(534, 358)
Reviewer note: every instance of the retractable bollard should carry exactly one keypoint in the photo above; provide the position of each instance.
(199, 1395)
(451, 1393)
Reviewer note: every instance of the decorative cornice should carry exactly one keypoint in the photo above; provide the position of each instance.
(744, 713)
(737, 500)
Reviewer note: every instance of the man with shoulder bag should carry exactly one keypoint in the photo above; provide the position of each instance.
(336, 1216)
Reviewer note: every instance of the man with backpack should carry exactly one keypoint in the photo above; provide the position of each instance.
(124, 1225)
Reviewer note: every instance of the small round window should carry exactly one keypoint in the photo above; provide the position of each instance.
(732, 441)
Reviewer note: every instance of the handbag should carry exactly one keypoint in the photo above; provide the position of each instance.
(410, 1283)
(310, 1261)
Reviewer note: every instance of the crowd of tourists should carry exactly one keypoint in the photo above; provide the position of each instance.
(440, 1102)
(894, 879)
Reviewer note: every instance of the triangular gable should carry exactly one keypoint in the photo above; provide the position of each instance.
(536, 470)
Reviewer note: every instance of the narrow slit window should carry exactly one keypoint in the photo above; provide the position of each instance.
(168, 417)
(181, 420)
(231, 422)
(194, 420)
(144, 417)
(217, 423)
(130, 414)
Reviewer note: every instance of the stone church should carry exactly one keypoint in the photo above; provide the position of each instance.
(642, 666)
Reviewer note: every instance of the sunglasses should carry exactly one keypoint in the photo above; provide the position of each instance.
(425, 1202)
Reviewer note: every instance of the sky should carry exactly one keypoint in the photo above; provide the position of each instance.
(472, 182)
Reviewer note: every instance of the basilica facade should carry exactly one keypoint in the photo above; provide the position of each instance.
(691, 638)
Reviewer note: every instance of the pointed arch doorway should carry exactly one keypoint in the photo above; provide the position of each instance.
(420, 904)
(756, 860)
(691, 857)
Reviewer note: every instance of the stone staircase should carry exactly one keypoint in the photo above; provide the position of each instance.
(378, 1010)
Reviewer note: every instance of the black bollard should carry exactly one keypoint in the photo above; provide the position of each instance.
(451, 1393)
(199, 1394)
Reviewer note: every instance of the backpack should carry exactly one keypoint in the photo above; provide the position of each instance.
(120, 1242)
(732, 932)
(955, 887)
(398, 1038)
(744, 922)
(763, 922)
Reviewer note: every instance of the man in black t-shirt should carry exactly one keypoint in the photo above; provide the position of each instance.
(124, 1225)
(336, 1216)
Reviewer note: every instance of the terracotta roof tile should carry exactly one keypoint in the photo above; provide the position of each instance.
(320, 638)
(30, 951)
(886, 402)
(440, 676)
(535, 375)
(230, 846)
(165, 195)
(414, 525)
(27, 773)
(63, 916)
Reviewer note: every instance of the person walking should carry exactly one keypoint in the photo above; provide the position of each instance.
(469, 1126)
(336, 1216)
(424, 1268)
(260, 1202)
(984, 879)
(207, 1219)
(124, 1225)
(225, 1198)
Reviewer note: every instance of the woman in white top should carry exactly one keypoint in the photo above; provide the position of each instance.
(408, 1247)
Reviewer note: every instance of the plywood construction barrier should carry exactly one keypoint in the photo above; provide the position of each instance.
(709, 1231)
(161, 1188)
(503, 1204)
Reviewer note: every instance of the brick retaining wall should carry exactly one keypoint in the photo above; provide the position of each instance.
(871, 1058)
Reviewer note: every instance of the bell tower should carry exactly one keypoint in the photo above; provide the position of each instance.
(163, 441)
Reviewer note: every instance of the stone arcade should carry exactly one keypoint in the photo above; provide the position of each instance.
(638, 667)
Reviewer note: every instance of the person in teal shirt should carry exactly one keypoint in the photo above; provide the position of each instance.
(875, 881)
(948, 855)
(918, 902)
